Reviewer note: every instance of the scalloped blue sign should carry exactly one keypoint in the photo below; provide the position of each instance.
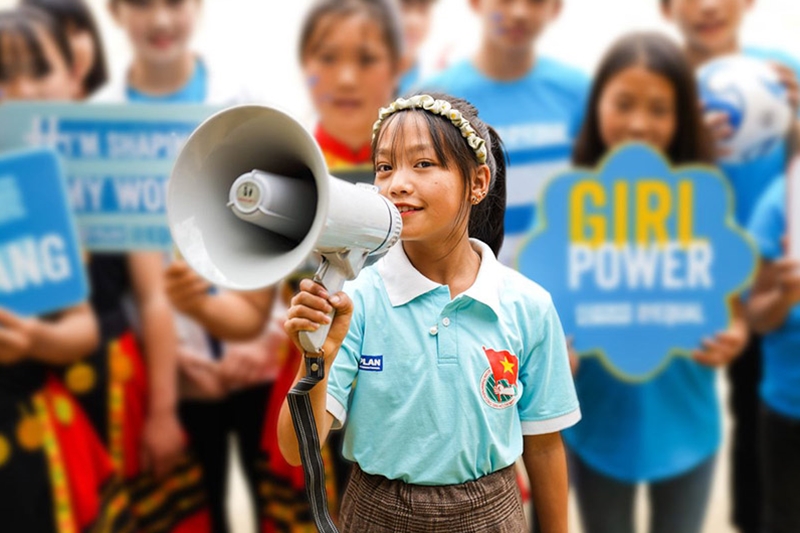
(641, 258)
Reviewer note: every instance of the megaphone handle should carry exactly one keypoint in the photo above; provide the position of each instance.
(333, 280)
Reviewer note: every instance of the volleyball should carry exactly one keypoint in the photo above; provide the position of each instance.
(750, 92)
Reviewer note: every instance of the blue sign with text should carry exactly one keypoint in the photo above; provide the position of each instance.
(117, 157)
(641, 258)
(41, 270)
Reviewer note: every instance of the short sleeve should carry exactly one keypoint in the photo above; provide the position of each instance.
(549, 402)
(768, 222)
(343, 372)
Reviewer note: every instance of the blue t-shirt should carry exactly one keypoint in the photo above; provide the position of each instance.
(409, 80)
(751, 179)
(439, 390)
(195, 91)
(538, 117)
(780, 382)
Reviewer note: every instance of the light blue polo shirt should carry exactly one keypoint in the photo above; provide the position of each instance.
(195, 91)
(538, 117)
(439, 391)
(751, 179)
(780, 382)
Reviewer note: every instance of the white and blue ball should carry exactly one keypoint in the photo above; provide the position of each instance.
(749, 91)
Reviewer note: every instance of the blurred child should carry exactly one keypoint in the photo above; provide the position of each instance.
(774, 313)
(417, 17)
(350, 54)
(56, 474)
(461, 385)
(88, 56)
(535, 103)
(711, 29)
(631, 433)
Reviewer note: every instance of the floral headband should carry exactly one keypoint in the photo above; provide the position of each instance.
(437, 107)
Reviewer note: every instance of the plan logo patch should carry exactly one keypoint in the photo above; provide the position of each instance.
(371, 363)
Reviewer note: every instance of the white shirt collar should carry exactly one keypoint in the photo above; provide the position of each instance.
(404, 283)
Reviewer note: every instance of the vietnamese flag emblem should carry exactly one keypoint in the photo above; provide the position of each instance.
(504, 364)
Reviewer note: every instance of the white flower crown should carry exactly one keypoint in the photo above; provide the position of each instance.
(437, 107)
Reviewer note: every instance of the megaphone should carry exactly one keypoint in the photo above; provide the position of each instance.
(250, 198)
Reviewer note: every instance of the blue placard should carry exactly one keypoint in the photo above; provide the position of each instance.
(40, 260)
(641, 258)
(117, 158)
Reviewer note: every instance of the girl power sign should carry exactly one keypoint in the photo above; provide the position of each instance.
(641, 258)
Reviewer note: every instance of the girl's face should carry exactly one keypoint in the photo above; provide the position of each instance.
(711, 26)
(350, 73)
(431, 198)
(637, 105)
(57, 83)
(159, 30)
(83, 51)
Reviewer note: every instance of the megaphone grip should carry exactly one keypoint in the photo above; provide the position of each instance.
(333, 280)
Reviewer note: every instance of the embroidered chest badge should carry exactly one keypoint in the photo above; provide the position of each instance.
(499, 382)
(371, 363)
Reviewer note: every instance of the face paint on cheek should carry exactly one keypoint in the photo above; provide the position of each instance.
(496, 19)
(312, 81)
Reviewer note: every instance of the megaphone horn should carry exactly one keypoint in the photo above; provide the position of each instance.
(250, 198)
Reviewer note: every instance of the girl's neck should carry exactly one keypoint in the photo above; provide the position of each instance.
(457, 267)
(698, 57)
(504, 65)
(161, 78)
(353, 138)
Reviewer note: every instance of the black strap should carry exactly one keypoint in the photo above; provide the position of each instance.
(308, 440)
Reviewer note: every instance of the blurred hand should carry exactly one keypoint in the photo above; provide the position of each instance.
(787, 278)
(199, 377)
(244, 366)
(187, 291)
(723, 348)
(162, 443)
(719, 126)
(789, 80)
(309, 310)
(16, 337)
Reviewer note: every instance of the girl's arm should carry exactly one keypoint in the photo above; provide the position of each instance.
(227, 315)
(71, 335)
(163, 436)
(309, 309)
(546, 465)
(726, 345)
(775, 291)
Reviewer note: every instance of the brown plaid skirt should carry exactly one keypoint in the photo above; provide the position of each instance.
(491, 504)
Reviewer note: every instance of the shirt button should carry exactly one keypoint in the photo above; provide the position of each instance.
(446, 321)
(434, 330)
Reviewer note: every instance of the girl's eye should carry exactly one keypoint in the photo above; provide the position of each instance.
(367, 60)
(382, 167)
(425, 164)
(327, 59)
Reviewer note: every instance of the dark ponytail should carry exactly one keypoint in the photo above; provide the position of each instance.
(487, 219)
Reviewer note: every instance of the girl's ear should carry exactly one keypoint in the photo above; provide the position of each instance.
(480, 183)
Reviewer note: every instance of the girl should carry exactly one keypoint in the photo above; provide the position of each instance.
(665, 432)
(89, 62)
(57, 474)
(467, 361)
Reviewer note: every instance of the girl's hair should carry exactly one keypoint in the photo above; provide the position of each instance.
(78, 14)
(691, 142)
(486, 219)
(20, 48)
(383, 12)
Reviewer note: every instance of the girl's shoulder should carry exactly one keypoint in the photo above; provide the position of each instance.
(515, 289)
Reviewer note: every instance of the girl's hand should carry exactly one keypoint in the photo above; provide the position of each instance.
(309, 310)
(187, 291)
(162, 443)
(199, 377)
(16, 337)
(789, 80)
(719, 125)
(723, 348)
(244, 366)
